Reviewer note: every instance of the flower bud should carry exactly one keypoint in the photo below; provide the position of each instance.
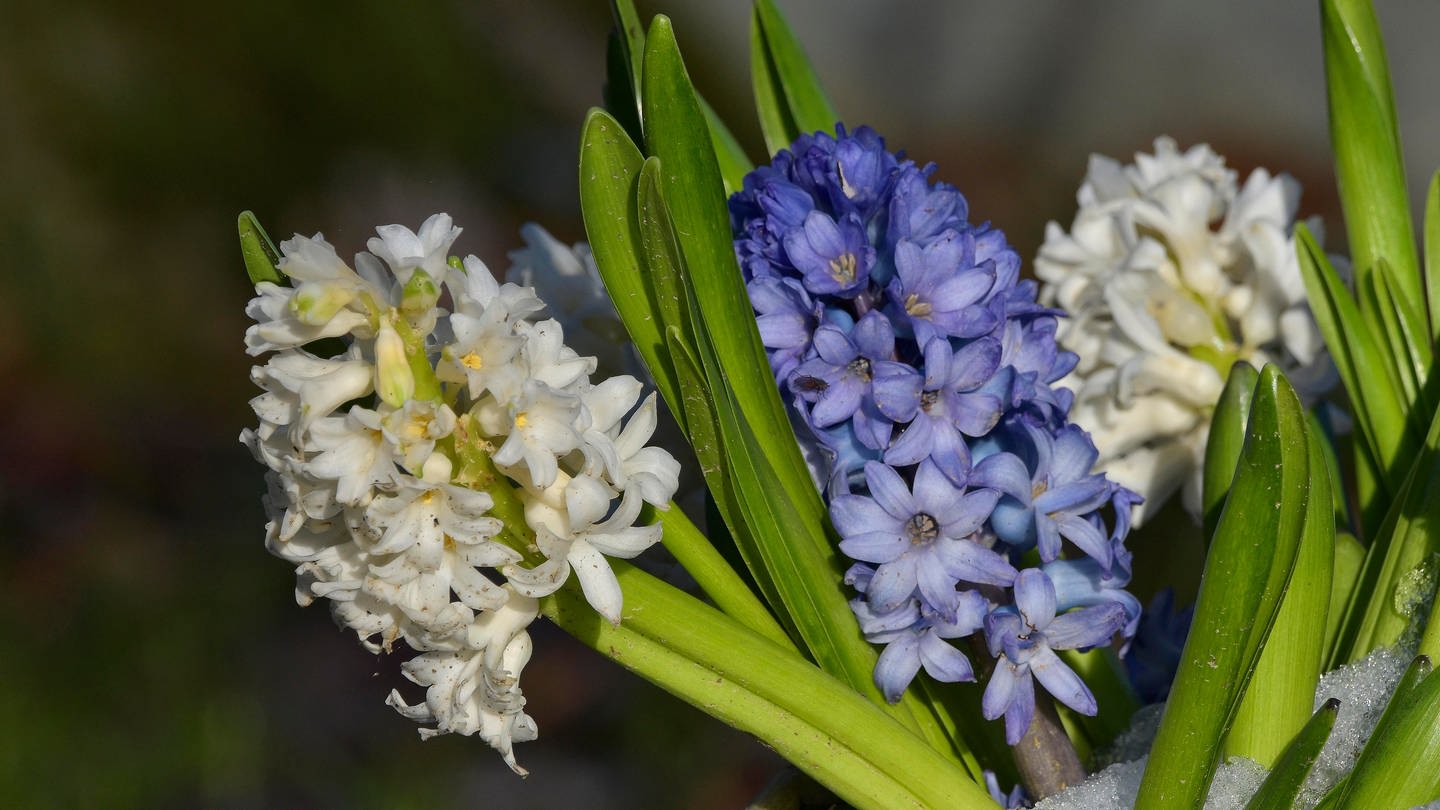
(315, 303)
(394, 381)
(419, 296)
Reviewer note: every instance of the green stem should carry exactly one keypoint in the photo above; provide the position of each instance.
(695, 553)
(1102, 671)
(818, 723)
(475, 469)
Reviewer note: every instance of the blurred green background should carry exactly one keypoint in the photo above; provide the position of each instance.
(155, 657)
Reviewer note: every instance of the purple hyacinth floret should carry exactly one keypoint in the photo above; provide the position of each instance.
(922, 374)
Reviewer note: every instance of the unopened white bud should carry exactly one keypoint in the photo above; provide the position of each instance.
(316, 303)
(394, 381)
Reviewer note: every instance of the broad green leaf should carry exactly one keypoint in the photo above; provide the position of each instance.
(808, 717)
(1407, 339)
(1379, 410)
(776, 123)
(1227, 435)
(1249, 562)
(1385, 599)
(261, 257)
(676, 133)
(1379, 310)
(1400, 765)
(1281, 693)
(804, 98)
(1369, 166)
(628, 62)
(734, 163)
(663, 262)
(1432, 255)
(703, 428)
(1282, 785)
(1349, 558)
(609, 176)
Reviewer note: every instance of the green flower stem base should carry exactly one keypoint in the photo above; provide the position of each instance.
(813, 720)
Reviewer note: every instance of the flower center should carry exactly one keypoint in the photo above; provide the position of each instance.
(522, 419)
(922, 528)
(928, 400)
(859, 367)
(842, 268)
(916, 307)
(472, 361)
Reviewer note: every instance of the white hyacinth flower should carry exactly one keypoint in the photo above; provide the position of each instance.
(567, 278)
(1170, 274)
(381, 464)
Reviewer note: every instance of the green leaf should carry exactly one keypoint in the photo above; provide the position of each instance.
(1227, 436)
(619, 91)
(1321, 427)
(1283, 784)
(630, 45)
(1379, 409)
(1400, 765)
(1104, 673)
(261, 258)
(776, 123)
(695, 196)
(1281, 693)
(808, 717)
(1369, 166)
(1249, 562)
(804, 98)
(1384, 602)
(1430, 639)
(1406, 338)
(609, 176)
(703, 429)
(664, 264)
(1349, 558)
(1432, 255)
(734, 163)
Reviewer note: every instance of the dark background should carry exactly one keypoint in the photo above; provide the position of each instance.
(153, 654)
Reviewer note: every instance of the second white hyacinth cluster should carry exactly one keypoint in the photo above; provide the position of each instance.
(1171, 272)
(438, 461)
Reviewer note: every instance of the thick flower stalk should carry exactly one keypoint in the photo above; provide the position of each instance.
(1171, 272)
(922, 370)
(439, 460)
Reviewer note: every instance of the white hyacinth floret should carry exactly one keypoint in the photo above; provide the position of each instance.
(1171, 273)
(442, 463)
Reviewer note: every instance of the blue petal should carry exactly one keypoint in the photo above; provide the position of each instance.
(1062, 682)
(1086, 627)
(897, 666)
(942, 661)
(1035, 597)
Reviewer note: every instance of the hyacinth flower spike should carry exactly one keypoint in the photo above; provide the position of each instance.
(1025, 639)
(390, 506)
